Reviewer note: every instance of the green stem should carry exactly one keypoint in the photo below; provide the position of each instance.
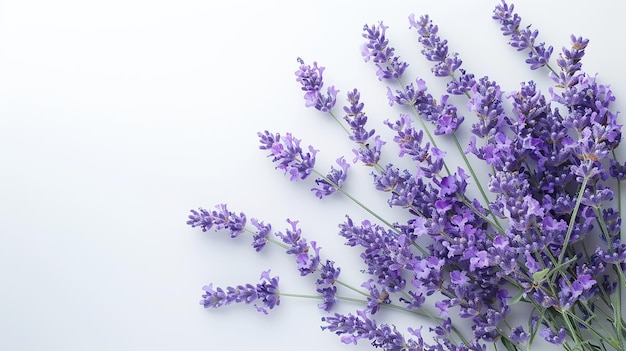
(356, 201)
(618, 319)
(351, 287)
(339, 122)
(276, 242)
(370, 211)
(572, 220)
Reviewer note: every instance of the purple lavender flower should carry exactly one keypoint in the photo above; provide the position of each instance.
(514, 200)
(453, 184)
(617, 170)
(378, 50)
(617, 254)
(463, 84)
(522, 39)
(519, 335)
(265, 292)
(376, 298)
(434, 48)
(260, 237)
(351, 328)
(356, 118)
(268, 292)
(325, 284)
(369, 153)
(427, 275)
(409, 95)
(333, 181)
(307, 262)
(531, 109)
(557, 338)
(613, 223)
(458, 278)
(288, 155)
(405, 192)
(443, 115)
(310, 77)
(569, 62)
(570, 292)
(411, 143)
(486, 102)
(385, 255)
(221, 218)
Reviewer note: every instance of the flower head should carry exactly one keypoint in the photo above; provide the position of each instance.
(325, 284)
(307, 255)
(219, 219)
(310, 77)
(521, 39)
(288, 155)
(377, 49)
(265, 292)
(333, 181)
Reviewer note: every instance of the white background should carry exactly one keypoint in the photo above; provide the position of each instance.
(118, 117)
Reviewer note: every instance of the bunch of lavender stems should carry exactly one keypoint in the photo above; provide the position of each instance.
(544, 233)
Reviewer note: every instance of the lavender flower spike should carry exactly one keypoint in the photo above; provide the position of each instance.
(325, 285)
(538, 55)
(265, 292)
(356, 118)
(307, 262)
(378, 50)
(219, 219)
(288, 155)
(312, 82)
(435, 49)
(333, 181)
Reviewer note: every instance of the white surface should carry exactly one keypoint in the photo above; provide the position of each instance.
(117, 117)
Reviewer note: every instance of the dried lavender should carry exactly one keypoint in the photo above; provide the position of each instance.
(546, 241)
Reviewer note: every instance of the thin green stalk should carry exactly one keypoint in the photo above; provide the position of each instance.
(284, 246)
(570, 327)
(618, 319)
(351, 287)
(370, 211)
(339, 122)
(617, 304)
(349, 196)
(319, 297)
(572, 220)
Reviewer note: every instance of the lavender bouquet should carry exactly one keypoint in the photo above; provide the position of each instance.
(535, 255)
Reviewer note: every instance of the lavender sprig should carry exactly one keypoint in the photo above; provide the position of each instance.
(265, 292)
(377, 50)
(311, 79)
(522, 39)
(288, 155)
